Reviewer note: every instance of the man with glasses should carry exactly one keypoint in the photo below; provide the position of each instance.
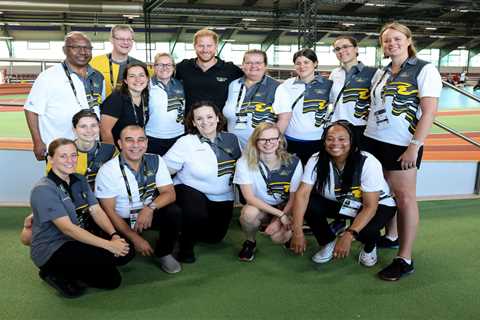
(113, 64)
(61, 91)
(206, 77)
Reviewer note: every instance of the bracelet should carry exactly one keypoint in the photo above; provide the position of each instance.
(354, 233)
(416, 142)
(114, 234)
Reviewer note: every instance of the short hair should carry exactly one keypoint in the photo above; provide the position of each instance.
(74, 34)
(412, 52)
(57, 143)
(307, 53)
(256, 51)
(84, 113)
(164, 54)
(251, 150)
(130, 127)
(205, 32)
(121, 27)
(189, 118)
(350, 39)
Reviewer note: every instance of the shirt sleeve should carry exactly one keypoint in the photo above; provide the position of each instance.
(105, 187)
(38, 97)
(113, 106)
(296, 178)
(162, 178)
(46, 202)
(372, 175)
(242, 172)
(429, 82)
(309, 174)
(175, 157)
(282, 103)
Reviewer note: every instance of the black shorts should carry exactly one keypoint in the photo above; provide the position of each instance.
(388, 154)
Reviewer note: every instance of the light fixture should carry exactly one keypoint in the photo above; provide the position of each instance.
(348, 24)
(249, 19)
(229, 40)
(430, 28)
(461, 47)
(6, 38)
(130, 16)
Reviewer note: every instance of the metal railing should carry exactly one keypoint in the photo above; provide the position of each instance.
(451, 130)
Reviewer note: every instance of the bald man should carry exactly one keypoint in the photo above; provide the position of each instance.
(61, 91)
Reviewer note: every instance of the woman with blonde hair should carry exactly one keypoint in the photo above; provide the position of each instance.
(268, 177)
(404, 102)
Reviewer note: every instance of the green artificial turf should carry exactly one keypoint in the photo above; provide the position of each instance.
(277, 285)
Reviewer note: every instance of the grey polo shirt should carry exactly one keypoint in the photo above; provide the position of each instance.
(53, 198)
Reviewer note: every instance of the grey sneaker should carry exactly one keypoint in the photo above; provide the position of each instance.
(168, 264)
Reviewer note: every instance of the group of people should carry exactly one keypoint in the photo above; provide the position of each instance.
(300, 152)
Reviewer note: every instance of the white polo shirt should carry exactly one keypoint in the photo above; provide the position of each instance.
(162, 124)
(397, 133)
(301, 125)
(197, 167)
(52, 98)
(345, 110)
(110, 184)
(246, 175)
(371, 179)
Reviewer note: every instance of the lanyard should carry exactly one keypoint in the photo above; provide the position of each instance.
(144, 117)
(127, 185)
(240, 105)
(266, 177)
(214, 145)
(298, 99)
(91, 163)
(114, 83)
(67, 73)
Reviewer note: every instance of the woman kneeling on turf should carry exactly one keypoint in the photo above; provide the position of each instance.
(268, 177)
(342, 181)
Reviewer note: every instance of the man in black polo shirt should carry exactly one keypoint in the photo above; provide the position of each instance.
(206, 78)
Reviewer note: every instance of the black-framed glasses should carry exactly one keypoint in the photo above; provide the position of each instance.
(163, 65)
(269, 140)
(338, 49)
(80, 48)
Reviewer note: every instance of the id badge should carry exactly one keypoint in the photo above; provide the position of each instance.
(350, 207)
(241, 122)
(381, 119)
(133, 217)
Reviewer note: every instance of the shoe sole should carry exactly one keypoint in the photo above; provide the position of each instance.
(367, 265)
(249, 259)
(320, 261)
(397, 278)
(52, 283)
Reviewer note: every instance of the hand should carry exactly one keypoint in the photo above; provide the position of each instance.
(298, 243)
(274, 226)
(343, 245)
(408, 159)
(27, 223)
(119, 247)
(285, 220)
(39, 149)
(144, 220)
(142, 246)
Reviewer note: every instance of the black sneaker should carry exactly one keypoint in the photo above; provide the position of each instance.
(65, 288)
(397, 269)
(186, 256)
(248, 251)
(384, 242)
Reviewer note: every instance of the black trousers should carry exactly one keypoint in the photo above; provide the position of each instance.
(160, 146)
(303, 149)
(320, 208)
(77, 261)
(202, 220)
(166, 221)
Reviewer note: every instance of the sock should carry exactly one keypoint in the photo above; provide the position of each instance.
(391, 238)
(409, 261)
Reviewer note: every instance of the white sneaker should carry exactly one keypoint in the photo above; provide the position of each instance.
(325, 254)
(368, 259)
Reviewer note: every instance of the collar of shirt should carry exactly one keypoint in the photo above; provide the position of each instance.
(318, 78)
(136, 174)
(217, 139)
(90, 71)
(218, 64)
(353, 70)
(60, 182)
(410, 60)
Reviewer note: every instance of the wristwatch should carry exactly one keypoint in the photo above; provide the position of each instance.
(352, 232)
(416, 142)
(152, 206)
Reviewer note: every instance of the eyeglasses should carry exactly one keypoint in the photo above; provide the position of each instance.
(269, 140)
(254, 63)
(338, 49)
(80, 48)
(123, 39)
(163, 65)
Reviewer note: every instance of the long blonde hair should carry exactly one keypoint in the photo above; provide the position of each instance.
(251, 151)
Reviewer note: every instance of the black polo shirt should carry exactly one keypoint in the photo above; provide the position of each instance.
(120, 106)
(211, 85)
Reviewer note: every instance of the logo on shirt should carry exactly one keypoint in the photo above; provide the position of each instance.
(178, 91)
(361, 79)
(221, 79)
(319, 91)
(404, 75)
